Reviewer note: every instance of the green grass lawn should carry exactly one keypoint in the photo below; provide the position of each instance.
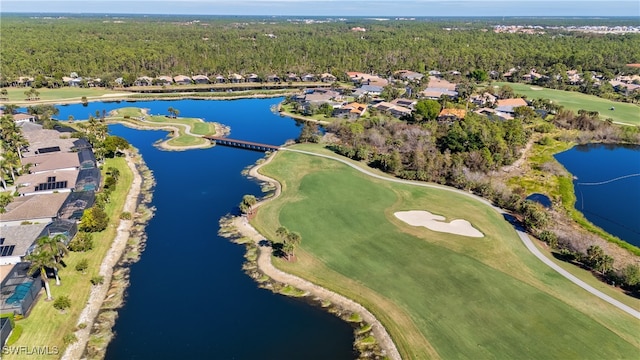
(46, 326)
(624, 112)
(196, 126)
(17, 94)
(438, 294)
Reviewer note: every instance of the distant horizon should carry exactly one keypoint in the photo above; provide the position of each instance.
(331, 8)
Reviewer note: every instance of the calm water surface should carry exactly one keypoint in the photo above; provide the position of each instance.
(189, 298)
(607, 186)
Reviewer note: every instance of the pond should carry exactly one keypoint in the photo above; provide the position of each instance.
(607, 186)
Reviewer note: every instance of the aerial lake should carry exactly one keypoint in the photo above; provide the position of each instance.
(607, 186)
(188, 297)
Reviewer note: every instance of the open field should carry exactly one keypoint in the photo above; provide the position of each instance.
(439, 295)
(624, 112)
(46, 326)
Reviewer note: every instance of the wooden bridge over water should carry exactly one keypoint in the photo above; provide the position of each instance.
(242, 144)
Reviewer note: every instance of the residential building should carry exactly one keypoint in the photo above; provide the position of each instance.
(56, 181)
(20, 287)
(352, 110)
(326, 77)
(20, 118)
(52, 161)
(16, 242)
(395, 110)
(508, 105)
(182, 80)
(408, 103)
(39, 208)
(200, 79)
(143, 81)
(451, 115)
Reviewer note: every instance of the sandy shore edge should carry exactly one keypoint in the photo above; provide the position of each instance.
(266, 266)
(99, 292)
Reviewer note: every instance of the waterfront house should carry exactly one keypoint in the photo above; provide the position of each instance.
(163, 80)
(43, 141)
(253, 78)
(219, 79)
(22, 118)
(20, 287)
(326, 77)
(6, 327)
(308, 77)
(273, 78)
(182, 80)
(87, 159)
(57, 181)
(40, 208)
(236, 78)
(75, 205)
(143, 81)
(292, 77)
(18, 241)
(52, 161)
(88, 180)
(200, 79)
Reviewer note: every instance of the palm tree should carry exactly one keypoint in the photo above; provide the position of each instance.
(56, 247)
(4, 170)
(13, 162)
(292, 241)
(40, 260)
(171, 110)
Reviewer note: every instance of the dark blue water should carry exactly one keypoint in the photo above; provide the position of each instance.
(189, 298)
(541, 199)
(614, 205)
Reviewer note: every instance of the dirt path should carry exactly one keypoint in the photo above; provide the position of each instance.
(99, 292)
(266, 266)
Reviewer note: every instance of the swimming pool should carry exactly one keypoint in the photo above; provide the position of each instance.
(19, 293)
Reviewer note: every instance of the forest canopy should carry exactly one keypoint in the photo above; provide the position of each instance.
(135, 46)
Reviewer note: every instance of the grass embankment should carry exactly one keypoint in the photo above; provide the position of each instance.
(16, 95)
(46, 326)
(438, 294)
(624, 113)
(183, 138)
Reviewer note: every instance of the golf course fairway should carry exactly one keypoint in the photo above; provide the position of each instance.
(439, 295)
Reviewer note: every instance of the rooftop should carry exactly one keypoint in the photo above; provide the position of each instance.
(52, 161)
(21, 237)
(47, 181)
(39, 206)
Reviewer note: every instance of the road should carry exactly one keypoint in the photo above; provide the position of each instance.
(521, 234)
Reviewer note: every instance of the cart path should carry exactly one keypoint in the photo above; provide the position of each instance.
(519, 230)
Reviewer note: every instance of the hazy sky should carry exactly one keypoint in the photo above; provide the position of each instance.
(379, 8)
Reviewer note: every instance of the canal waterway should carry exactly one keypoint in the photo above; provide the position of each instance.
(607, 186)
(188, 297)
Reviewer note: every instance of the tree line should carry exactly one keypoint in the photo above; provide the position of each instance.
(136, 46)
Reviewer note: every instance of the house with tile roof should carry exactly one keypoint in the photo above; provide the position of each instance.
(42, 208)
(451, 115)
(508, 105)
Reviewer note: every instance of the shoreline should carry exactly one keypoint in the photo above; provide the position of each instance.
(130, 97)
(99, 292)
(265, 265)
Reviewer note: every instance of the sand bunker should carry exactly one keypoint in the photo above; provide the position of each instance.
(436, 223)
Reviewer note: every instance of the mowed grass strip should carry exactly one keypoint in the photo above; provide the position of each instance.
(46, 326)
(17, 94)
(195, 126)
(624, 112)
(464, 297)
